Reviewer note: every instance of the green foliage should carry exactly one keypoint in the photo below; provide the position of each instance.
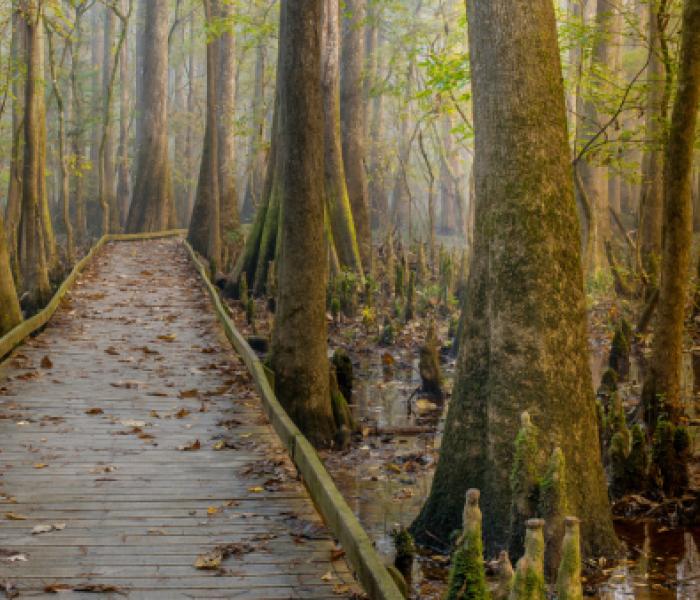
(670, 454)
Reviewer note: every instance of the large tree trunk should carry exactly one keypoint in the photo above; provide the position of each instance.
(663, 386)
(33, 256)
(299, 355)
(152, 203)
(77, 129)
(525, 306)
(225, 126)
(337, 199)
(352, 122)
(204, 233)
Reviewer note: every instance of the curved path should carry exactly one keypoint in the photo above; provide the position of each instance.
(132, 446)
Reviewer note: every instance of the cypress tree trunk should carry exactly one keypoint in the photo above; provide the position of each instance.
(226, 94)
(10, 315)
(525, 308)
(352, 122)
(663, 386)
(299, 356)
(337, 199)
(33, 259)
(107, 186)
(204, 232)
(256, 151)
(152, 202)
(14, 192)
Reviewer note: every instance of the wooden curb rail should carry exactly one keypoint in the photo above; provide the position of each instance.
(330, 503)
(26, 328)
(335, 511)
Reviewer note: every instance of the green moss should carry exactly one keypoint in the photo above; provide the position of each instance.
(524, 480)
(243, 289)
(553, 507)
(569, 576)
(670, 454)
(409, 309)
(388, 335)
(505, 573)
(617, 459)
(250, 311)
(467, 580)
(638, 461)
(529, 572)
(619, 360)
(405, 552)
(344, 372)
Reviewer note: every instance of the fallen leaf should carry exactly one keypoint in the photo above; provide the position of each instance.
(168, 338)
(327, 577)
(15, 517)
(256, 489)
(94, 411)
(154, 414)
(191, 446)
(46, 363)
(182, 413)
(341, 589)
(38, 529)
(16, 558)
(112, 350)
(189, 393)
(40, 465)
(337, 554)
(220, 445)
(212, 510)
(211, 560)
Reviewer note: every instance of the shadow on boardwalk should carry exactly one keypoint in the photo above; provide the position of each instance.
(132, 431)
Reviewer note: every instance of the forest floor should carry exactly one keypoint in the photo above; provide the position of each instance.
(136, 460)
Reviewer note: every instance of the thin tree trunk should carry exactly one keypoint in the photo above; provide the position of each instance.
(299, 355)
(663, 387)
(123, 181)
(352, 122)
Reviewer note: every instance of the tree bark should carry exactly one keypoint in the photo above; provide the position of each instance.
(352, 122)
(663, 386)
(123, 180)
(152, 202)
(205, 228)
(33, 258)
(10, 315)
(337, 199)
(651, 203)
(525, 305)
(299, 355)
(225, 123)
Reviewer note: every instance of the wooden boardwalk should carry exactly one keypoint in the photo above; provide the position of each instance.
(132, 444)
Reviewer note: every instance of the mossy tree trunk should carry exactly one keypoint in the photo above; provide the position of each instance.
(32, 243)
(123, 181)
(299, 356)
(152, 203)
(663, 386)
(337, 200)
(352, 121)
(14, 192)
(525, 307)
(10, 315)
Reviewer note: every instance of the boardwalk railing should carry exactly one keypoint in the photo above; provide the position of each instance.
(330, 503)
(26, 328)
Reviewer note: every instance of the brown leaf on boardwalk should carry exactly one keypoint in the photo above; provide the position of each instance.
(191, 446)
(40, 465)
(189, 393)
(337, 554)
(55, 588)
(112, 350)
(46, 363)
(11, 516)
(212, 560)
(94, 411)
(9, 588)
(182, 413)
(168, 338)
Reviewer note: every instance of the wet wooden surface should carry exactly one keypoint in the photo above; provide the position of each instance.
(131, 427)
